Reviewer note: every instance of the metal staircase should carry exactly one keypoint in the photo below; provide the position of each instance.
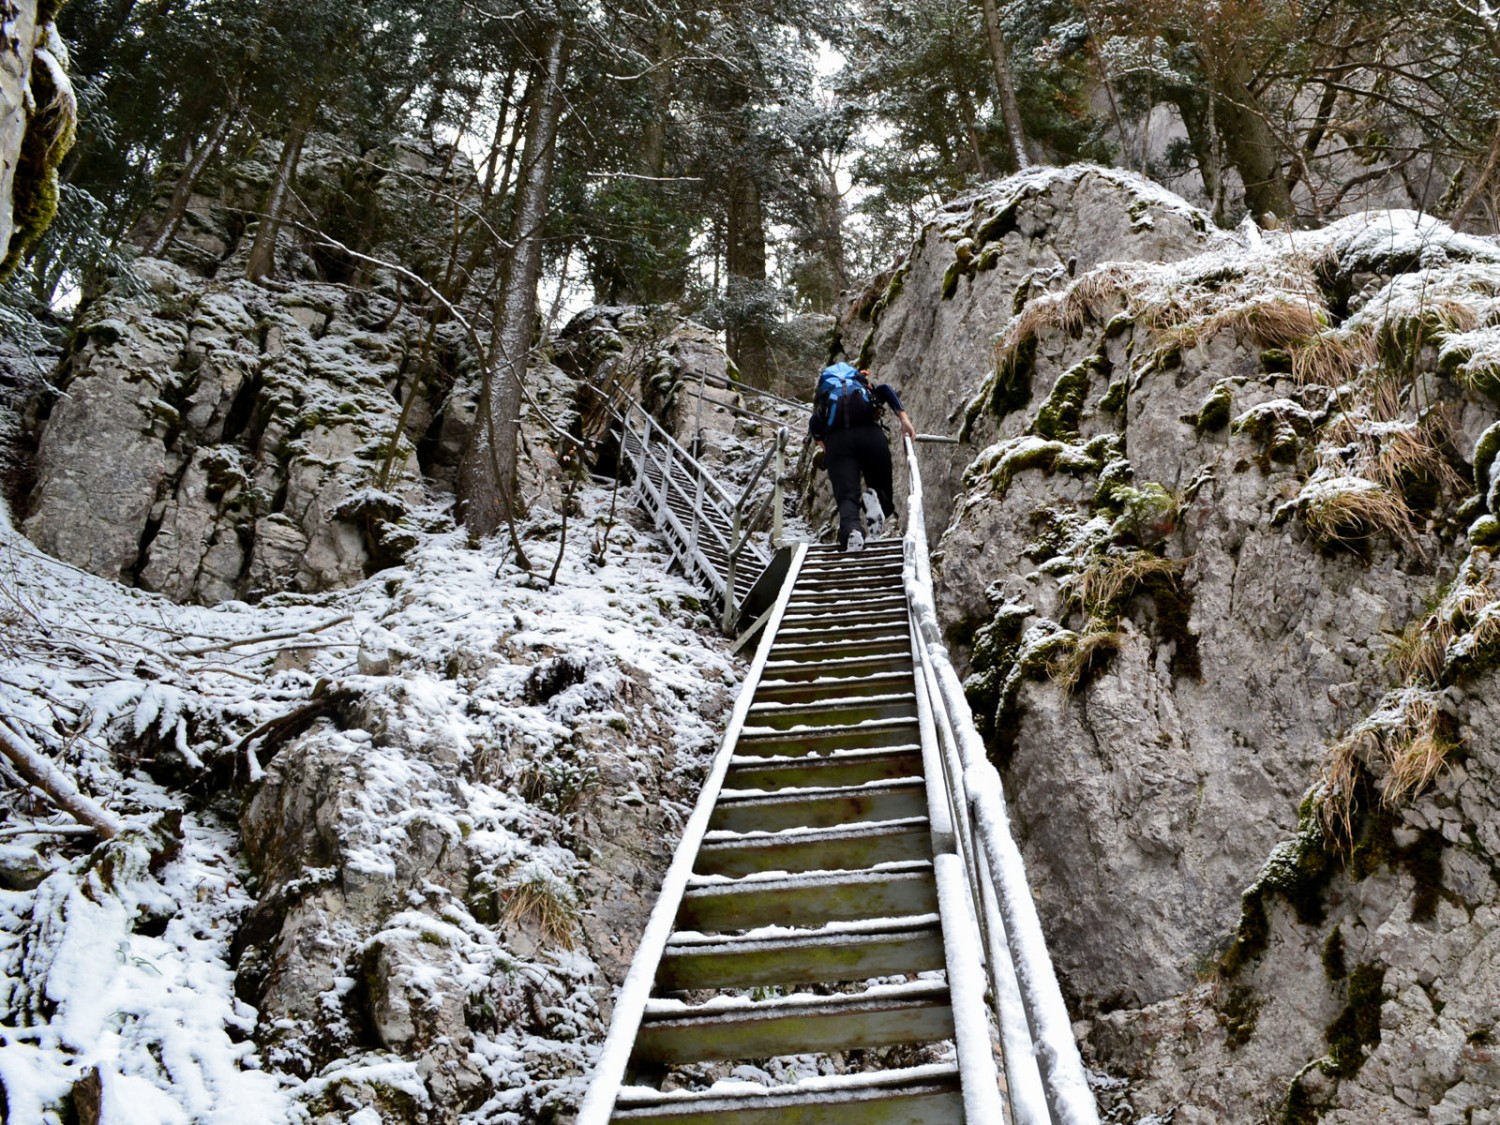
(847, 915)
(710, 533)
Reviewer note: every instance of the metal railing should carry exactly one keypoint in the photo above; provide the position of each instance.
(1046, 1079)
(712, 533)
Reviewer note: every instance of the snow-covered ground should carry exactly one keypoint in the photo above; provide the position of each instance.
(118, 986)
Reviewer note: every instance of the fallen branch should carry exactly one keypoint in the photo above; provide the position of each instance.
(36, 769)
(204, 650)
(326, 699)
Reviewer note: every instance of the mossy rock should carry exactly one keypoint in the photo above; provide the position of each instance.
(1214, 413)
(1059, 416)
(1485, 532)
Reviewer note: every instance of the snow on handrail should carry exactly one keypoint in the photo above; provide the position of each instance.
(1009, 910)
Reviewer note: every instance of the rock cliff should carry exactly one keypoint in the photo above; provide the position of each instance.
(1220, 558)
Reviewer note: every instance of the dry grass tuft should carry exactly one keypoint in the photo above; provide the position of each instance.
(1421, 650)
(1418, 750)
(1394, 455)
(1094, 645)
(1332, 358)
(1340, 779)
(544, 903)
(1350, 518)
(1411, 736)
(1110, 578)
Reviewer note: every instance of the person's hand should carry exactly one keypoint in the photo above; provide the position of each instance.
(907, 428)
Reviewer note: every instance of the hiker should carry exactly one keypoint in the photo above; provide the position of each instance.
(846, 424)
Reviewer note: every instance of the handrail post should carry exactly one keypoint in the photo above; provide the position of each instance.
(778, 517)
(729, 566)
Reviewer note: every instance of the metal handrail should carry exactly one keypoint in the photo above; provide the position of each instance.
(715, 515)
(1047, 1082)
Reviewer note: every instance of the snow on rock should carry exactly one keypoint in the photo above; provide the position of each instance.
(1313, 417)
(441, 867)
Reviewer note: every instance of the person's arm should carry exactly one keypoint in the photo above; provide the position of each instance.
(888, 393)
(906, 427)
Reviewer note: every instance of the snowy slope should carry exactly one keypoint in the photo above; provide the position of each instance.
(551, 710)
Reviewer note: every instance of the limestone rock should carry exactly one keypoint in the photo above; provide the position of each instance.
(1169, 625)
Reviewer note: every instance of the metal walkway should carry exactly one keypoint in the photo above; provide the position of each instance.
(709, 532)
(846, 897)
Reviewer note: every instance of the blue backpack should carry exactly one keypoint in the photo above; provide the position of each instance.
(844, 397)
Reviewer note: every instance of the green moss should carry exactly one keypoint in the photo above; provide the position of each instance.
(1357, 1027)
(1115, 476)
(1012, 386)
(1334, 967)
(956, 270)
(1298, 872)
(1486, 449)
(1276, 361)
(1059, 415)
(1174, 608)
(1114, 398)
(1485, 532)
(50, 132)
(1238, 1011)
(996, 226)
(1214, 414)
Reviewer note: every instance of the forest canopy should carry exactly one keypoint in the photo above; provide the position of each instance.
(746, 163)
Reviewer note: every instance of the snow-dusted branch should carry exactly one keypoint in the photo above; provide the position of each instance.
(38, 770)
(286, 635)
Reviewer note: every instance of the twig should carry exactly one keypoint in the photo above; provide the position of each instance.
(204, 650)
(39, 771)
(46, 830)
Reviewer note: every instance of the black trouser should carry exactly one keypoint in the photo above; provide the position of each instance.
(848, 454)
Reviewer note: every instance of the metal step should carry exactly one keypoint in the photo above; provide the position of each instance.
(914, 1096)
(810, 899)
(852, 667)
(891, 682)
(795, 1026)
(823, 740)
(852, 847)
(824, 771)
(832, 712)
(818, 808)
(833, 954)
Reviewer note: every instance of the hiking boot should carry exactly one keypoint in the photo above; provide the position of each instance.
(856, 542)
(877, 529)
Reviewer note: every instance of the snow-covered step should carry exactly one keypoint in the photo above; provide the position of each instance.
(840, 620)
(851, 667)
(823, 740)
(852, 633)
(824, 771)
(892, 678)
(845, 847)
(808, 899)
(814, 649)
(838, 711)
(795, 1025)
(750, 811)
(832, 954)
(846, 605)
(927, 1095)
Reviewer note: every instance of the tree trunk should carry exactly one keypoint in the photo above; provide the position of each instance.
(177, 206)
(747, 291)
(487, 476)
(263, 250)
(1010, 108)
(1250, 145)
(971, 129)
(1194, 106)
